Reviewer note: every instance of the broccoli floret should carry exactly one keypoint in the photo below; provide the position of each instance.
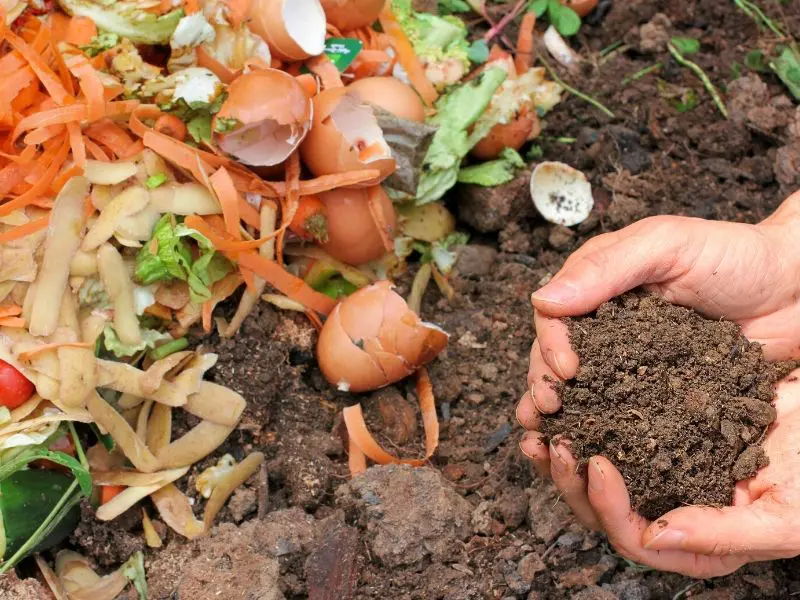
(439, 42)
(127, 19)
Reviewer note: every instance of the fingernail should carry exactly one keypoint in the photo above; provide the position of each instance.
(533, 399)
(669, 539)
(558, 293)
(527, 437)
(597, 480)
(552, 359)
(559, 465)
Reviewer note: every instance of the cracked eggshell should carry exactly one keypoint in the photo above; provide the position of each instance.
(391, 95)
(347, 15)
(293, 29)
(507, 135)
(345, 137)
(372, 339)
(561, 194)
(275, 116)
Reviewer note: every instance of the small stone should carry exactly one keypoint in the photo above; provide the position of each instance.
(488, 372)
(512, 506)
(475, 398)
(570, 540)
(475, 260)
(654, 36)
(242, 503)
(529, 566)
(561, 237)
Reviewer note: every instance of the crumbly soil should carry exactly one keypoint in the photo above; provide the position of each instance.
(678, 402)
(476, 523)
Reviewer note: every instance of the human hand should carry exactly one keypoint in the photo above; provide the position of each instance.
(762, 524)
(743, 272)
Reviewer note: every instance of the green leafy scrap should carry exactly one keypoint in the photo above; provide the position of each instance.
(103, 41)
(447, 7)
(494, 172)
(686, 45)
(156, 180)
(787, 68)
(563, 18)
(478, 52)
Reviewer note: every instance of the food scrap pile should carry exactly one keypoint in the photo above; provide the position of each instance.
(158, 157)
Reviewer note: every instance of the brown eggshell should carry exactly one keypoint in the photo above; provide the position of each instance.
(328, 151)
(392, 95)
(507, 135)
(353, 234)
(582, 7)
(372, 339)
(266, 98)
(347, 15)
(293, 29)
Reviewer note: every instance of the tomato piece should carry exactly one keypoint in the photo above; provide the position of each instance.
(15, 388)
(310, 221)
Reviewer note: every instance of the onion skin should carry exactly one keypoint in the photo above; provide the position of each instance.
(582, 7)
(372, 339)
(347, 15)
(392, 95)
(326, 150)
(507, 135)
(353, 234)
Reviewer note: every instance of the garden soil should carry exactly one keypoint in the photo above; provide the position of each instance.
(476, 522)
(679, 402)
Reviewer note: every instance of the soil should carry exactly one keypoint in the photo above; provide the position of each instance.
(478, 523)
(678, 401)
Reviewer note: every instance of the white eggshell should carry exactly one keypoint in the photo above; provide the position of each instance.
(561, 194)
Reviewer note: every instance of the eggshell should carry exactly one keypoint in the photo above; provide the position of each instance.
(347, 15)
(392, 95)
(354, 236)
(582, 7)
(344, 126)
(275, 114)
(561, 194)
(293, 29)
(507, 135)
(372, 339)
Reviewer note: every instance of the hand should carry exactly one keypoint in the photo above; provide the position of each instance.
(745, 273)
(763, 523)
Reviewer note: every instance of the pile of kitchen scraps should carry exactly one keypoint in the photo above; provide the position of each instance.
(158, 158)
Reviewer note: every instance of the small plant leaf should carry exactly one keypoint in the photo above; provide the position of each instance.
(478, 52)
(686, 45)
(687, 102)
(538, 7)
(756, 61)
(564, 19)
(447, 7)
(787, 67)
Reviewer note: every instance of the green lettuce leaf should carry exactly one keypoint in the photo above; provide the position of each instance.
(494, 172)
(112, 343)
(168, 256)
(457, 112)
(126, 19)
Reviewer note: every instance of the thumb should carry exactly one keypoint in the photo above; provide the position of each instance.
(749, 529)
(647, 256)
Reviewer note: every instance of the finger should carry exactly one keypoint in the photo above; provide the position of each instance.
(571, 485)
(592, 245)
(527, 415)
(649, 255)
(556, 349)
(543, 393)
(624, 527)
(749, 529)
(533, 446)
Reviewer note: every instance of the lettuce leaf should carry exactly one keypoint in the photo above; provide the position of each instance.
(457, 112)
(494, 172)
(168, 256)
(112, 343)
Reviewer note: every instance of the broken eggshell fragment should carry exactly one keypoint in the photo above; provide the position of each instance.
(372, 339)
(347, 15)
(345, 137)
(561, 194)
(293, 29)
(271, 116)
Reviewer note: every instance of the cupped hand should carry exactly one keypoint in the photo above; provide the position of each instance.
(762, 524)
(746, 273)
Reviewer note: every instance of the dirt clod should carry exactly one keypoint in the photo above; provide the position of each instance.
(409, 513)
(677, 401)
